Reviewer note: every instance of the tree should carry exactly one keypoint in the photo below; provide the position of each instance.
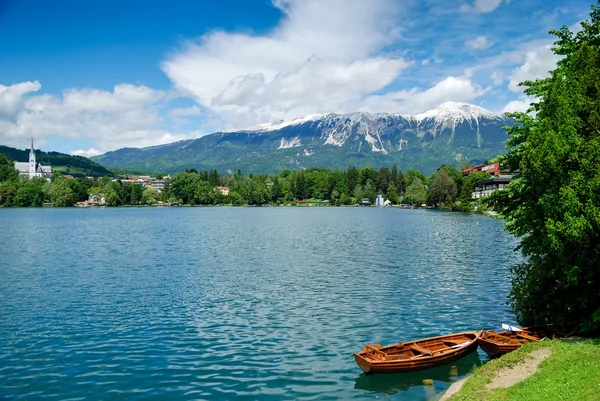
(384, 180)
(553, 204)
(149, 196)
(7, 170)
(30, 193)
(442, 188)
(416, 192)
(8, 191)
(61, 194)
(392, 194)
(137, 193)
(412, 175)
(453, 173)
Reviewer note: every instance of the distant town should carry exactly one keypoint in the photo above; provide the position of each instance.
(36, 184)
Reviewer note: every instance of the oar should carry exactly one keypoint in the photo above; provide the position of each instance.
(511, 328)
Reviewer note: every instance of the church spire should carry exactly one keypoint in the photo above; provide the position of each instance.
(32, 166)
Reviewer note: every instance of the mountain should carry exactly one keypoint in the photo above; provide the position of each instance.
(76, 166)
(450, 134)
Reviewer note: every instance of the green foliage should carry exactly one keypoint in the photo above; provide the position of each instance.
(61, 194)
(8, 192)
(554, 204)
(442, 188)
(150, 196)
(30, 193)
(194, 187)
(416, 192)
(7, 170)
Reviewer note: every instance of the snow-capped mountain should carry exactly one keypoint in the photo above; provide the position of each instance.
(452, 133)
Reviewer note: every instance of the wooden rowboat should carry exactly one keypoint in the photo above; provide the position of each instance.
(416, 355)
(496, 344)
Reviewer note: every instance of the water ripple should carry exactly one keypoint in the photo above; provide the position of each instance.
(244, 303)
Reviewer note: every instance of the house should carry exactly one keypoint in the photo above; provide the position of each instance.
(492, 168)
(379, 200)
(492, 184)
(223, 190)
(31, 169)
(365, 202)
(159, 185)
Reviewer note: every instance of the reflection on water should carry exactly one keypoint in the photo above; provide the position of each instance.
(394, 383)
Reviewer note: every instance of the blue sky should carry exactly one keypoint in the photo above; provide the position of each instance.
(86, 77)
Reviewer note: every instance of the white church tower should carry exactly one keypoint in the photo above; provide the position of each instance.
(32, 161)
(30, 170)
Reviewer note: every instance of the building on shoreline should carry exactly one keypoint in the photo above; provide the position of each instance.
(492, 168)
(492, 184)
(31, 169)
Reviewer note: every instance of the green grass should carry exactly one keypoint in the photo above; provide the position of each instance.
(572, 372)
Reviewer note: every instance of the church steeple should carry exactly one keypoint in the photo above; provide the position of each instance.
(31, 160)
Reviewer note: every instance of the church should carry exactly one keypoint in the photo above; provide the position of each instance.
(32, 169)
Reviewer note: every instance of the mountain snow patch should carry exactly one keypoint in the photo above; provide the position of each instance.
(290, 143)
(456, 112)
(374, 142)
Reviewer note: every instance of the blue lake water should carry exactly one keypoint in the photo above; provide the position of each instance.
(238, 303)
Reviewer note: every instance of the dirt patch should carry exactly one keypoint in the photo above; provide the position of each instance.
(510, 376)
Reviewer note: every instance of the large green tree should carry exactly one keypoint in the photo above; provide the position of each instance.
(442, 188)
(7, 170)
(61, 194)
(553, 205)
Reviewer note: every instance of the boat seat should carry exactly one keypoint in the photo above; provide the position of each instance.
(396, 357)
(372, 351)
(420, 350)
(454, 342)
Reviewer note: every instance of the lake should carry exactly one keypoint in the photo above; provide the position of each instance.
(238, 303)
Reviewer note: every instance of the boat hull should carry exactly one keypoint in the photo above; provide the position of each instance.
(397, 358)
(496, 344)
(495, 348)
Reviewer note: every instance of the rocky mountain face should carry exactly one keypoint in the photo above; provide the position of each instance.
(450, 134)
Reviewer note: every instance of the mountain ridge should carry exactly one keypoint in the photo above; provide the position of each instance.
(450, 134)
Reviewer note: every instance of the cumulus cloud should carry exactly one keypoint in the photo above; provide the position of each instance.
(86, 153)
(126, 116)
(323, 56)
(460, 89)
(481, 6)
(520, 105)
(479, 43)
(12, 98)
(538, 63)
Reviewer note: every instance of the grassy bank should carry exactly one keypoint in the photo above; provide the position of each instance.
(571, 372)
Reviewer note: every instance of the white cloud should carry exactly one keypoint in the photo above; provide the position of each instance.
(185, 111)
(458, 89)
(481, 6)
(126, 116)
(538, 63)
(497, 78)
(520, 105)
(425, 62)
(322, 57)
(11, 97)
(479, 43)
(86, 153)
